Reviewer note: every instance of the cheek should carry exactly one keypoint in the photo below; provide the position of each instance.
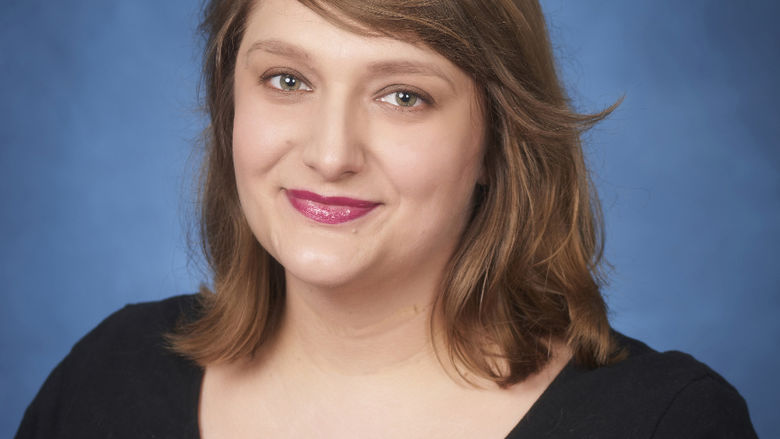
(260, 139)
(434, 170)
(435, 162)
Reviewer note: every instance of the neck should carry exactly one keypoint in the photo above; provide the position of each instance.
(358, 332)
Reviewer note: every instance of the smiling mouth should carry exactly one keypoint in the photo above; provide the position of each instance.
(329, 210)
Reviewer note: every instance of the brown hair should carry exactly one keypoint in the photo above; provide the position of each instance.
(527, 268)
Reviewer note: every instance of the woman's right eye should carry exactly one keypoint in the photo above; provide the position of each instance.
(287, 82)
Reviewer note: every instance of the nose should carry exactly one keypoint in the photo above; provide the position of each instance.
(335, 148)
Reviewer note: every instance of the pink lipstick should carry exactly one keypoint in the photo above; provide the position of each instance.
(328, 210)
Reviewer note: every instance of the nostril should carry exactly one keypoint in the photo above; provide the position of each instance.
(336, 147)
(333, 162)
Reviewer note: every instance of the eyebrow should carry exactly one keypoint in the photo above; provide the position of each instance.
(280, 48)
(389, 67)
(408, 67)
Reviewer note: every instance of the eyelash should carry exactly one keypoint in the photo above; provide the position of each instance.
(421, 98)
(266, 79)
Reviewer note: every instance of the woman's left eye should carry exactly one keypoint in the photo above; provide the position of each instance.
(403, 98)
(287, 82)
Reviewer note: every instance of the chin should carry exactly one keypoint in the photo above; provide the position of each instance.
(322, 269)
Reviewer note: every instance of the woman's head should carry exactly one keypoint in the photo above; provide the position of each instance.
(522, 268)
(355, 157)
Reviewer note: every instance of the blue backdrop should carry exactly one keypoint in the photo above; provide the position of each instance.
(99, 116)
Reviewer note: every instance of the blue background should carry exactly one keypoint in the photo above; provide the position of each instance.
(99, 123)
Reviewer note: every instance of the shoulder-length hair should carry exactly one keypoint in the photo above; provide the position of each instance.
(526, 270)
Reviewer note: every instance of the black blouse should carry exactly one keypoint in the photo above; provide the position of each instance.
(120, 381)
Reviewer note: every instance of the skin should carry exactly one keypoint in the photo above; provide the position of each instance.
(316, 109)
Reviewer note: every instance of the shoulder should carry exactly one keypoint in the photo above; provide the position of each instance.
(132, 340)
(647, 376)
(139, 325)
(120, 378)
(649, 394)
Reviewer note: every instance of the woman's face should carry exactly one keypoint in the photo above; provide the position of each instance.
(355, 157)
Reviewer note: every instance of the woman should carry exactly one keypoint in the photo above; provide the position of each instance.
(404, 243)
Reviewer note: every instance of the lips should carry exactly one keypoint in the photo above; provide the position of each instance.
(328, 210)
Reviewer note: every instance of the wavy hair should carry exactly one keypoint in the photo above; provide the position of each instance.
(527, 268)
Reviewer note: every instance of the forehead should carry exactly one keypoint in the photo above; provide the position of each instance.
(290, 27)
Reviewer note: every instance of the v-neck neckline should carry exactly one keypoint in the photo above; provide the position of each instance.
(524, 427)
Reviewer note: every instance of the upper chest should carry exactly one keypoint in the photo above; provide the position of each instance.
(278, 408)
